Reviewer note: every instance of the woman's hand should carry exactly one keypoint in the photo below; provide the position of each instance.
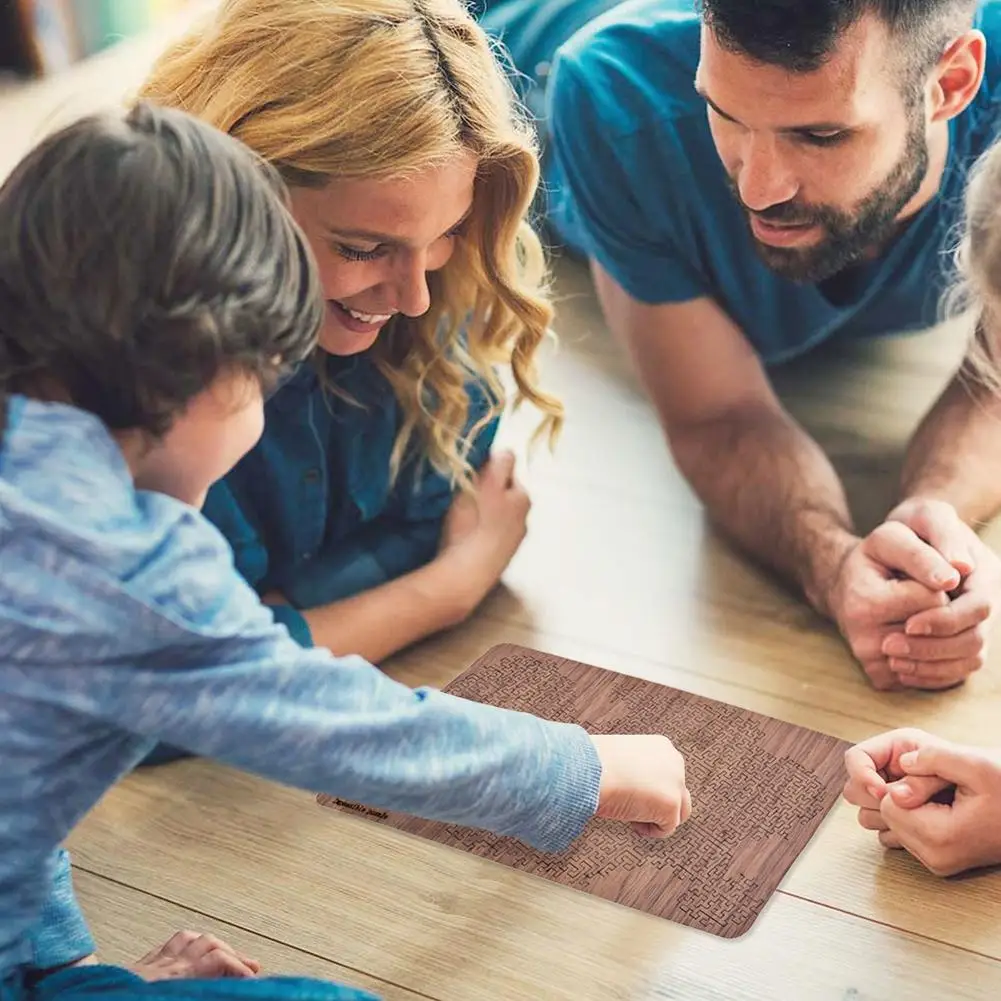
(480, 534)
(483, 530)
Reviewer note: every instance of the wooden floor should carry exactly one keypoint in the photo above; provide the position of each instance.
(621, 570)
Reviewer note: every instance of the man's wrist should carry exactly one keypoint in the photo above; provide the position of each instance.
(827, 555)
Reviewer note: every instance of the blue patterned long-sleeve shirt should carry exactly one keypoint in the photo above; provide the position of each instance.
(123, 623)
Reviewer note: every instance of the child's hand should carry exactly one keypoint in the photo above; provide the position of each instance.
(483, 529)
(875, 763)
(643, 783)
(190, 956)
(948, 837)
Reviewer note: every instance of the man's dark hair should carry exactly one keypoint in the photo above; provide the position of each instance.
(141, 257)
(800, 35)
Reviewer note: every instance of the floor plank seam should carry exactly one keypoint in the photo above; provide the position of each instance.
(890, 926)
(251, 931)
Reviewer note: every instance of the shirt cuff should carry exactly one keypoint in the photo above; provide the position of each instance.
(61, 935)
(574, 787)
(292, 619)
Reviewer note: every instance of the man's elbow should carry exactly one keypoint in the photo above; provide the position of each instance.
(713, 435)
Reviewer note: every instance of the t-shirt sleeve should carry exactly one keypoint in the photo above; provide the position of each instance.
(201, 665)
(610, 192)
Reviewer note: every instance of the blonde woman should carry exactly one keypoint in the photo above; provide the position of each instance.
(370, 514)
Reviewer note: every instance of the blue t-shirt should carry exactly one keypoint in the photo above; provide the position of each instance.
(634, 180)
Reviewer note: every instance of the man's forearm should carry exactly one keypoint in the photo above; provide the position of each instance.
(770, 487)
(955, 454)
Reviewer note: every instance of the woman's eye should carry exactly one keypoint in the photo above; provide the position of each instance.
(355, 254)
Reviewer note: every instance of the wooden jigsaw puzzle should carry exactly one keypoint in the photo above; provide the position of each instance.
(760, 789)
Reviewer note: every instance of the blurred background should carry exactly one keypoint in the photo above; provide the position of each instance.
(41, 37)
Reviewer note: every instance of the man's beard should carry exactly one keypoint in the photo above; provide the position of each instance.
(848, 236)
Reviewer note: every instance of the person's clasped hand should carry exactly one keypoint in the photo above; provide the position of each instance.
(915, 599)
(938, 800)
(942, 646)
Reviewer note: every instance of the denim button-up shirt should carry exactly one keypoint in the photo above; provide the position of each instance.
(310, 511)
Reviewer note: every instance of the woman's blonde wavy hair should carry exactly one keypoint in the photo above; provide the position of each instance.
(379, 89)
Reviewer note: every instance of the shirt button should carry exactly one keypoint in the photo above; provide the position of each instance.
(311, 476)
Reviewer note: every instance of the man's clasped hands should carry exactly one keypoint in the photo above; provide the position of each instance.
(915, 599)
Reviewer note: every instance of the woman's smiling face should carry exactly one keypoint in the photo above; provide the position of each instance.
(375, 242)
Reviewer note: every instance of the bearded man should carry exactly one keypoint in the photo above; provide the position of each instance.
(747, 181)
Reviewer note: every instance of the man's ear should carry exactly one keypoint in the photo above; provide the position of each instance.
(958, 75)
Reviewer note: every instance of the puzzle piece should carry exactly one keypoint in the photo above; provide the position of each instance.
(760, 788)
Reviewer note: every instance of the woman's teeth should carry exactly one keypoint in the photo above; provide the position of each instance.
(365, 317)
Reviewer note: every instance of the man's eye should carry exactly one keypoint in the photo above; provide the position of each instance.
(824, 138)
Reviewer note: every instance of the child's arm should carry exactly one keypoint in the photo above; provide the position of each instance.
(188, 656)
(260, 702)
(167, 642)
